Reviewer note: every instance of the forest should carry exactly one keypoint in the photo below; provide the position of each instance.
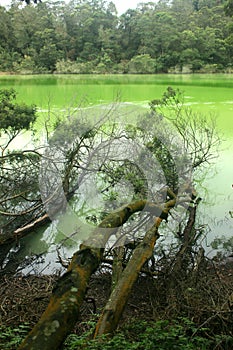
(88, 36)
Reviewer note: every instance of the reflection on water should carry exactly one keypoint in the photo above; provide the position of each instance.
(43, 248)
(203, 93)
(218, 199)
(40, 252)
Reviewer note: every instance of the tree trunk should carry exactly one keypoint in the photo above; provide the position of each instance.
(117, 266)
(62, 312)
(9, 237)
(188, 240)
(118, 299)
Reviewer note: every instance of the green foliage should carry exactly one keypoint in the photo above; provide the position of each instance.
(88, 37)
(13, 116)
(26, 65)
(229, 8)
(143, 335)
(10, 337)
(18, 169)
(180, 334)
(170, 98)
(75, 67)
(142, 64)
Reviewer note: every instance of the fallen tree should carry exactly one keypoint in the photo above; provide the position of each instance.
(145, 162)
(63, 310)
(117, 301)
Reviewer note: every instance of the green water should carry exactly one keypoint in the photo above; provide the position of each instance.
(211, 94)
(208, 93)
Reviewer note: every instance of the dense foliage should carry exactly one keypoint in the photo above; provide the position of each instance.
(88, 36)
(14, 117)
(139, 335)
(18, 169)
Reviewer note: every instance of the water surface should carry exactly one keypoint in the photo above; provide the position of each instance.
(209, 94)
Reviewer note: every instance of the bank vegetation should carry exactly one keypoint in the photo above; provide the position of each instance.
(84, 37)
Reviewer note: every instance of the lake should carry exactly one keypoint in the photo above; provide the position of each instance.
(205, 93)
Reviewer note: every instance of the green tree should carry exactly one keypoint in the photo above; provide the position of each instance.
(7, 41)
(18, 168)
(229, 8)
(129, 39)
(142, 64)
(37, 36)
(6, 38)
(14, 117)
(84, 31)
(26, 24)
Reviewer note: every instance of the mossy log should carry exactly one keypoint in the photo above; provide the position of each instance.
(118, 299)
(62, 312)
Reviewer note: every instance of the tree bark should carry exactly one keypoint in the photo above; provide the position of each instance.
(118, 299)
(188, 239)
(117, 266)
(9, 237)
(62, 312)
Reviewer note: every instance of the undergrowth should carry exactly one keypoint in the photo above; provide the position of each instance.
(180, 334)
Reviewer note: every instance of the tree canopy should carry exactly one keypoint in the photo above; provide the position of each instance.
(15, 117)
(89, 37)
(229, 8)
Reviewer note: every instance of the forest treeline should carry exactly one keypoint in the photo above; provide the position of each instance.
(88, 36)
